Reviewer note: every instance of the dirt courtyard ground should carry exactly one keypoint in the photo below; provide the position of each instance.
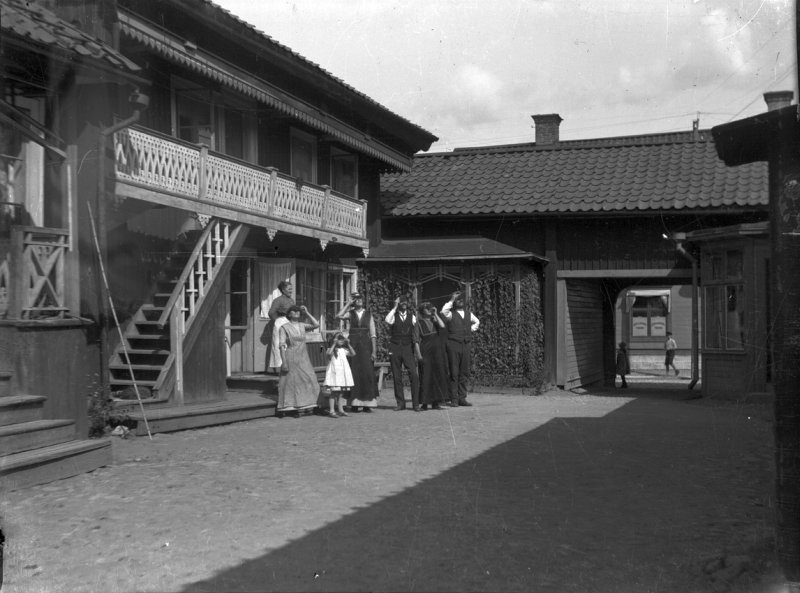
(561, 492)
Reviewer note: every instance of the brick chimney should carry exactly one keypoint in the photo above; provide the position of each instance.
(778, 99)
(547, 128)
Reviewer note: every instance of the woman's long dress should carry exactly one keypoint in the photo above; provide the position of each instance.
(365, 384)
(433, 368)
(298, 388)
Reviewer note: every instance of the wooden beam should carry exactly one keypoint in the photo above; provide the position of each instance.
(166, 199)
(635, 273)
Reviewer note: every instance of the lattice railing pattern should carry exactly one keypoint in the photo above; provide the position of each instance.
(237, 185)
(344, 215)
(43, 272)
(157, 162)
(164, 163)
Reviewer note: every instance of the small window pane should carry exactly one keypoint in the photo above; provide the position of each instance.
(733, 265)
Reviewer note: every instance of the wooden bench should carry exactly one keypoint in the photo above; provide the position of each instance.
(383, 369)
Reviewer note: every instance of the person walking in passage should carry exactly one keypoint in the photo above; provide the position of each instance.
(338, 377)
(298, 388)
(404, 351)
(460, 325)
(277, 315)
(433, 366)
(623, 363)
(669, 354)
(362, 337)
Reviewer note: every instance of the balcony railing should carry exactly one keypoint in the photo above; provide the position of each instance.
(162, 163)
(32, 263)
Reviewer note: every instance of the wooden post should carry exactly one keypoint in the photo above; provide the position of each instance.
(323, 224)
(16, 276)
(784, 177)
(202, 182)
(273, 188)
(176, 340)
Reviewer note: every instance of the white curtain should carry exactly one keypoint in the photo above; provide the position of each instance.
(270, 274)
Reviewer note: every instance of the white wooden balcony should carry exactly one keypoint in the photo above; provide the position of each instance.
(158, 168)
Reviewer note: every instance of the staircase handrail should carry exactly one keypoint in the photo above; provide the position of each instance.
(187, 269)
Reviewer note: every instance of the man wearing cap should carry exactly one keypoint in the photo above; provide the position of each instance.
(460, 326)
(362, 336)
(404, 351)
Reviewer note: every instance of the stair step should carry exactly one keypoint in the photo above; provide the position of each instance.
(20, 408)
(25, 436)
(135, 367)
(172, 418)
(123, 383)
(54, 462)
(6, 386)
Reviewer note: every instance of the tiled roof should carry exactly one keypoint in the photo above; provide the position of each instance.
(42, 27)
(665, 172)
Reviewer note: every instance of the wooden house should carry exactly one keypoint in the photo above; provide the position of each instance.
(601, 215)
(237, 164)
(56, 79)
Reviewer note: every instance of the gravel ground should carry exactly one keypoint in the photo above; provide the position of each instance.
(561, 492)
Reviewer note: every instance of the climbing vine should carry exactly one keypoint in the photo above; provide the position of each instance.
(507, 350)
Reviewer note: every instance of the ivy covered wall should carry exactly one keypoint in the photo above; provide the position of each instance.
(507, 349)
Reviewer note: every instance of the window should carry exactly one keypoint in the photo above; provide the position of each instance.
(239, 293)
(310, 291)
(304, 156)
(649, 316)
(723, 298)
(221, 123)
(344, 172)
(340, 284)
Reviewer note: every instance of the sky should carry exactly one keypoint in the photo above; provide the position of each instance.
(473, 72)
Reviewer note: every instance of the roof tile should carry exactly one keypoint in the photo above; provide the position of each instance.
(645, 173)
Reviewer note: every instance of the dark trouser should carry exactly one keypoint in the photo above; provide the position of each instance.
(403, 356)
(458, 360)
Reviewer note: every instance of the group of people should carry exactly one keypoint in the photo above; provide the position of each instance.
(433, 347)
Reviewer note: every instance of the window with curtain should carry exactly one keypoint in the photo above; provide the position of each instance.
(270, 274)
(649, 316)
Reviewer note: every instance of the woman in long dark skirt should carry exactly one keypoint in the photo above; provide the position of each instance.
(433, 366)
(362, 336)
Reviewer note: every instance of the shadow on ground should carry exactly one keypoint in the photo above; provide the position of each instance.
(634, 501)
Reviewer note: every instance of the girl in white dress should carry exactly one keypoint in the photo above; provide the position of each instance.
(338, 377)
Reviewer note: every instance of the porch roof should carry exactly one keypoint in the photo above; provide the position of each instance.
(447, 248)
(36, 25)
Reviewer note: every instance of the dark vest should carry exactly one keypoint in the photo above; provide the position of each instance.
(401, 330)
(458, 328)
(361, 325)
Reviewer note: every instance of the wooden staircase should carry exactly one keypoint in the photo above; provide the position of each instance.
(152, 346)
(147, 346)
(35, 450)
(162, 334)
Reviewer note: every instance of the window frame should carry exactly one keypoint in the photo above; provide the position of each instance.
(718, 286)
(300, 135)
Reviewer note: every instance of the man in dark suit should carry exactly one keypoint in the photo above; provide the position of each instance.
(460, 325)
(404, 351)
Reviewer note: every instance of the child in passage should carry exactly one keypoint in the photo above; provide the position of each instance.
(338, 376)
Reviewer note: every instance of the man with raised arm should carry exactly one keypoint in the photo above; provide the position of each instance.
(460, 325)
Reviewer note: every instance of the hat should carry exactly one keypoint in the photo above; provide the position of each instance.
(402, 299)
(355, 295)
(623, 345)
